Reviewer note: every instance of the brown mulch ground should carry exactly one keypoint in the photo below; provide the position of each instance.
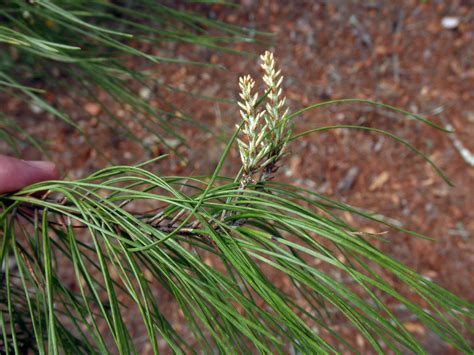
(398, 54)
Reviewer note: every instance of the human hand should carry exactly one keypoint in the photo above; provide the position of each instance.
(16, 174)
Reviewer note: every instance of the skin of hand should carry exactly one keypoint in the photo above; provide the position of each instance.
(16, 174)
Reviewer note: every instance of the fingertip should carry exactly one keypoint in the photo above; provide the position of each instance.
(49, 169)
(16, 174)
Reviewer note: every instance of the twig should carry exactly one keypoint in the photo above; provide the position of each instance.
(463, 151)
(396, 32)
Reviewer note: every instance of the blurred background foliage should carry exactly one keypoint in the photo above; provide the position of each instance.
(53, 46)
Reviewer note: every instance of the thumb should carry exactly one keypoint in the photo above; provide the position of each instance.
(16, 174)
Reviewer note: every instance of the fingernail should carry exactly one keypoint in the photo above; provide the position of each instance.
(45, 166)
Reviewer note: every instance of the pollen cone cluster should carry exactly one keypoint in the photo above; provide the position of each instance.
(265, 131)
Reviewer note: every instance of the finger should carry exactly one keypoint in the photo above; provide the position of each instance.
(16, 174)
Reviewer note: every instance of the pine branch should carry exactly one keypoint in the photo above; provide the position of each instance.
(252, 269)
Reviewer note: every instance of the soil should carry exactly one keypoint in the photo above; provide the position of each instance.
(398, 53)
